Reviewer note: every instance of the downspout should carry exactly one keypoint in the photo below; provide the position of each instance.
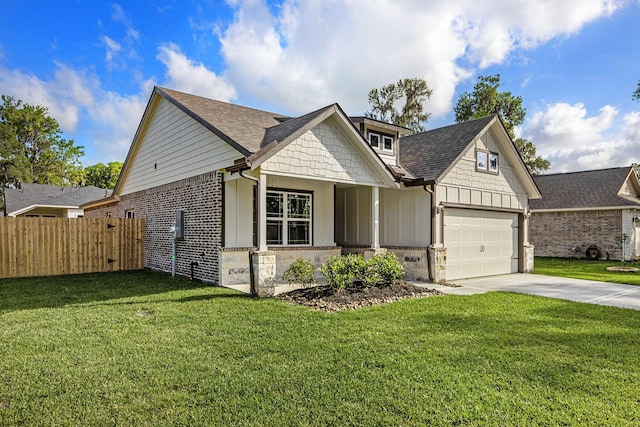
(432, 275)
(433, 210)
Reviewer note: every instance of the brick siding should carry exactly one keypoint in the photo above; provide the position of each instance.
(569, 234)
(200, 197)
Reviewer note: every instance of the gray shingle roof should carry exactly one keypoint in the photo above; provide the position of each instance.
(283, 130)
(587, 189)
(428, 154)
(50, 195)
(242, 127)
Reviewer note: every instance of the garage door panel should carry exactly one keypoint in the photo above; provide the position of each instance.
(480, 243)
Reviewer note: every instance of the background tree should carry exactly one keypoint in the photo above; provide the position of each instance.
(101, 175)
(384, 103)
(636, 94)
(486, 99)
(32, 149)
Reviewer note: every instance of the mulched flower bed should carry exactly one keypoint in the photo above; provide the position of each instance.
(326, 298)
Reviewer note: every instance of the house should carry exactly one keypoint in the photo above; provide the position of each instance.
(592, 214)
(250, 191)
(49, 201)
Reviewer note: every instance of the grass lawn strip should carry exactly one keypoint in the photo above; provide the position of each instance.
(587, 270)
(143, 349)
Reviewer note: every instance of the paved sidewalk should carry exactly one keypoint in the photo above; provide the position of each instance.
(588, 291)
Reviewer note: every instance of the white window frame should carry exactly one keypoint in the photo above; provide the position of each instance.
(129, 214)
(284, 217)
(376, 136)
(380, 141)
(386, 138)
(484, 159)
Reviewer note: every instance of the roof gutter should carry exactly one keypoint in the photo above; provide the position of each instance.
(585, 209)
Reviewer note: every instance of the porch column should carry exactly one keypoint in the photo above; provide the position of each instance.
(263, 262)
(262, 213)
(375, 218)
(527, 253)
(375, 225)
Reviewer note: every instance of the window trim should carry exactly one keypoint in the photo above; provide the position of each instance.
(285, 216)
(377, 136)
(382, 139)
(488, 157)
(387, 138)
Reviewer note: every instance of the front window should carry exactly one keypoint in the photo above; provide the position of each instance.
(288, 218)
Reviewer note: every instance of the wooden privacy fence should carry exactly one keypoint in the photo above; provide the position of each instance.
(55, 246)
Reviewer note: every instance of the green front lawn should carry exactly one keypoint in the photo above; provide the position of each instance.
(142, 349)
(584, 269)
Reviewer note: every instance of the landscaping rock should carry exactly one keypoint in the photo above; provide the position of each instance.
(326, 298)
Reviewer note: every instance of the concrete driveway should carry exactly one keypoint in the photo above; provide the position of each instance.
(603, 293)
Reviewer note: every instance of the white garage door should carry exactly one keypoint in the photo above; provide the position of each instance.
(480, 243)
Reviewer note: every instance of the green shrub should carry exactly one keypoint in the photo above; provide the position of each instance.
(300, 271)
(341, 271)
(385, 267)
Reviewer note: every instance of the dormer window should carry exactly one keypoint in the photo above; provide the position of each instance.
(374, 140)
(381, 141)
(387, 143)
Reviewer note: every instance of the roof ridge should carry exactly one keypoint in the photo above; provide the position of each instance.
(167, 92)
(585, 171)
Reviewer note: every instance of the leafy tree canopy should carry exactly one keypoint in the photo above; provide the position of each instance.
(636, 94)
(101, 175)
(32, 149)
(384, 103)
(487, 99)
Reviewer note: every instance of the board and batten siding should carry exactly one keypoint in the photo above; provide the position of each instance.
(174, 146)
(353, 216)
(405, 217)
(238, 209)
(325, 153)
(464, 185)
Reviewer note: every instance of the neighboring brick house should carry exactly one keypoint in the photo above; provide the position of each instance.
(451, 203)
(49, 201)
(592, 214)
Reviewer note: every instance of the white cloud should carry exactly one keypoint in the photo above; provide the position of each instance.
(572, 140)
(186, 75)
(106, 120)
(64, 96)
(306, 54)
(113, 48)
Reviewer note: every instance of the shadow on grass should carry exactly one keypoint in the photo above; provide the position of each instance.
(59, 291)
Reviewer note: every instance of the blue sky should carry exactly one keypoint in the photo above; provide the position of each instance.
(93, 64)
